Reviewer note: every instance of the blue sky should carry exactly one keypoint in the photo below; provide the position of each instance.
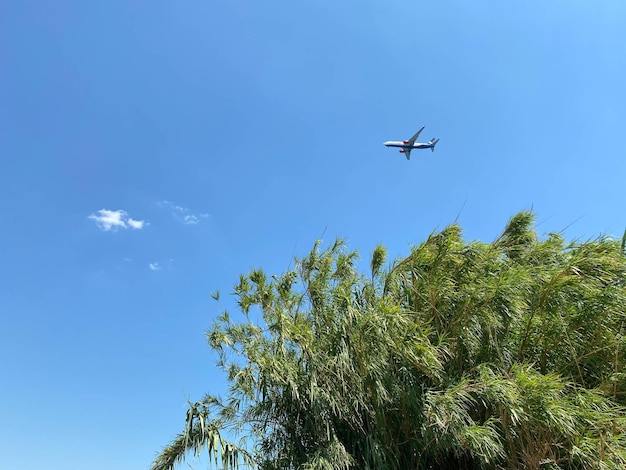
(150, 152)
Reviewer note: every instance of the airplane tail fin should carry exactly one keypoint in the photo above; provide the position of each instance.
(433, 142)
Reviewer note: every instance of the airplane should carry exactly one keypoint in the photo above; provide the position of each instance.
(407, 145)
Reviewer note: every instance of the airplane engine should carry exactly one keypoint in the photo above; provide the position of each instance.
(405, 142)
(401, 150)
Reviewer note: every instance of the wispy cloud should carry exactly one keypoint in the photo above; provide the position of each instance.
(191, 219)
(183, 214)
(155, 266)
(107, 220)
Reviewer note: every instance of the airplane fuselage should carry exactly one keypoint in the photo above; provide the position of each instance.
(402, 145)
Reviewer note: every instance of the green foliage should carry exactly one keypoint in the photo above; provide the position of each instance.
(461, 355)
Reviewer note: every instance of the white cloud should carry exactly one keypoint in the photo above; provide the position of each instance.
(107, 220)
(155, 266)
(193, 219)
(190, 220)
(136, 224)
(183, 214)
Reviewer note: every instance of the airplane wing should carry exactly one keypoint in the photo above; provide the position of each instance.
(417, 134)
(407, 153)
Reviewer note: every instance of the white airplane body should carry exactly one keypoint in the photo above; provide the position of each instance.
(407, 145)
